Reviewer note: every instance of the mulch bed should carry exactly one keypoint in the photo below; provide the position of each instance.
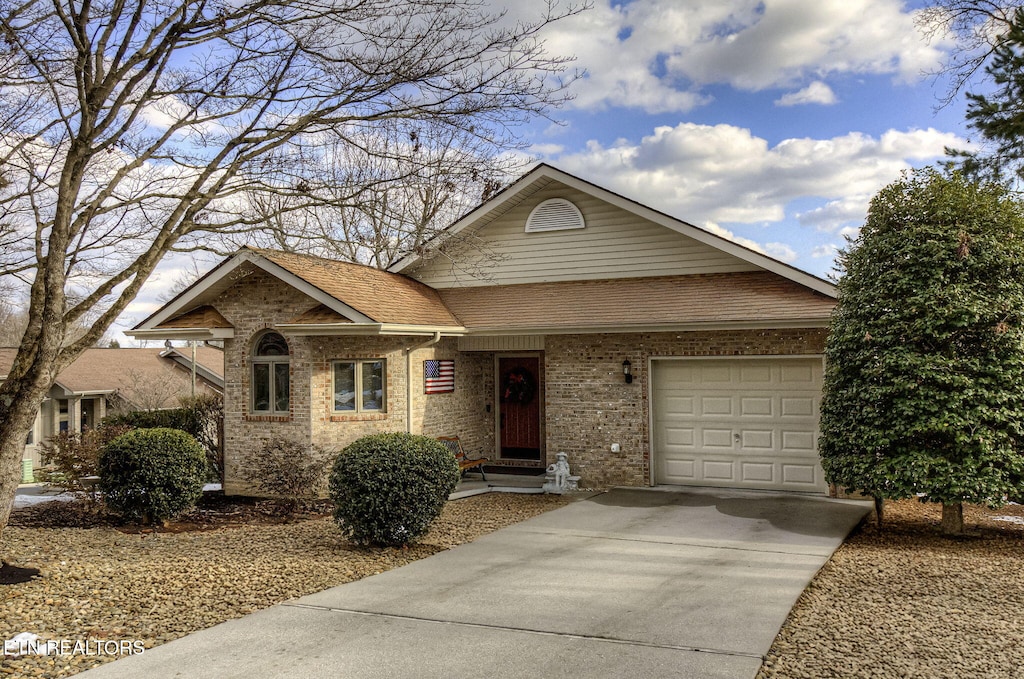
(214, 510)
(904, 601)
(104, 580)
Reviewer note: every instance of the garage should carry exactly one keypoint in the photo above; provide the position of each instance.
(737, 422)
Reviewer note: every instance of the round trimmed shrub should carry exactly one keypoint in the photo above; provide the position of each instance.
(152, 474)
(388, 488)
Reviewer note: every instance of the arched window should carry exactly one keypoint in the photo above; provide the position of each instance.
(270, 388)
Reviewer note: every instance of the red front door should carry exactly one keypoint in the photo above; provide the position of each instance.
(519, 400)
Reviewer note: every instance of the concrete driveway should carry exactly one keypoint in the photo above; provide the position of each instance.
(644, 582)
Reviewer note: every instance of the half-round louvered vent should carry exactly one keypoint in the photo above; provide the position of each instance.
(554, 215)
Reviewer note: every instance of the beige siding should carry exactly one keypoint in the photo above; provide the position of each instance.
(614, 244)
(502, 343)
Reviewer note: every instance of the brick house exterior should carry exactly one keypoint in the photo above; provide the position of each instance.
(723, 345)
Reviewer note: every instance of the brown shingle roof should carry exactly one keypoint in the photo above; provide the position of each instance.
(382, 296)
(320, 314)
(126, 370)
(200, 317)
(624, 302)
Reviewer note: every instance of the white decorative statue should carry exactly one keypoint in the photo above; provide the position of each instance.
(558, 480)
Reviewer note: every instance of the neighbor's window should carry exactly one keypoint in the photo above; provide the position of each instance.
(270, 388)
(359, 386)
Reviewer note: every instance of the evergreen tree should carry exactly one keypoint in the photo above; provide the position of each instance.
(999, 116)
(924, 379)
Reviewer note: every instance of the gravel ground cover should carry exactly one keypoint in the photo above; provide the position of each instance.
(105, 583)
(906, 602)
(901, 602)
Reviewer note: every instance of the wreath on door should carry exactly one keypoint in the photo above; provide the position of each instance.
(518, 386)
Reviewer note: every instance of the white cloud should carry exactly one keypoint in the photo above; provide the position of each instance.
(836, 213)
(658, 55)
(725, 174)
(729, 235)
(546, 149)
(780, 251)
(777, 43)
(828, 250)
(815, 93)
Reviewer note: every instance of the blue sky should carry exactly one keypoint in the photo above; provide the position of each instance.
(772, 122)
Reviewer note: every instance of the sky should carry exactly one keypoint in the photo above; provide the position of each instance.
(771, 122)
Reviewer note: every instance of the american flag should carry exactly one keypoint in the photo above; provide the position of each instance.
(439, 376)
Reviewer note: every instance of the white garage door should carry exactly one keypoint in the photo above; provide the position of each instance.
(738, 423)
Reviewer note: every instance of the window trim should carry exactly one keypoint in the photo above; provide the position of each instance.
(358, 386)
(271, 362)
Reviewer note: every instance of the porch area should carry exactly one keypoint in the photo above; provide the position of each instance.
(472, 484)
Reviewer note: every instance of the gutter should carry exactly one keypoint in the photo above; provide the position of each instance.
(408, 376)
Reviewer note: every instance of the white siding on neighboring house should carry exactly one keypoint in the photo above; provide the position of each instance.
(614, 244)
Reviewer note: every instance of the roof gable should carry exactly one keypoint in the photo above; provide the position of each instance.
(341, 292)
(622, 239)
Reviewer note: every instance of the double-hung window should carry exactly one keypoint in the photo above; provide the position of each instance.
(270, 383)
(359, 386)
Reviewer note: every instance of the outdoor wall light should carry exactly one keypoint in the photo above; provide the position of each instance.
(627, 370)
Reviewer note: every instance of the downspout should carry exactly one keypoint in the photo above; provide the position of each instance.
(408, 377)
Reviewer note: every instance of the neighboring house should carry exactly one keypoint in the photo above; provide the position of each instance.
(103, 380)
(540, 301)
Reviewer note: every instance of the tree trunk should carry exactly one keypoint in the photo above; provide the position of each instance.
(19, 404)
(879, 511)
(953, 519)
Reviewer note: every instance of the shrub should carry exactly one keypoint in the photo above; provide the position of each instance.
(152, 474)
(200, 416)
(924, 360)
(289, 470)
(388, 488)
(72, 455)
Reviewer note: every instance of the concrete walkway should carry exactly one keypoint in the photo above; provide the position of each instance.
(643, 583)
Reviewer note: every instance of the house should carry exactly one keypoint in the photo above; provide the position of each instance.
(104, 380)
(557, 316)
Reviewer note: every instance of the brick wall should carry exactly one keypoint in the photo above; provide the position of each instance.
(468, 412)
(253, 304)
(589, 405)
(260, 301)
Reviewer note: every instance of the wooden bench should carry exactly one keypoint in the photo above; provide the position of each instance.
(453, 444)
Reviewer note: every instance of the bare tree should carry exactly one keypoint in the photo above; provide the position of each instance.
(444, 173)
(128, 130)
(977, 28)
(138, 390)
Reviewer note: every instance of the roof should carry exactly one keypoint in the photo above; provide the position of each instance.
(382, 296)
(354, 299)
(100, 370)
(543, 174)
(201, 317)
(358, 296)
(620, 304)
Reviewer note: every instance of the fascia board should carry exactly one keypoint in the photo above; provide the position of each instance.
(816, 322)
(181, 333)
(186, 298)
(366, 329)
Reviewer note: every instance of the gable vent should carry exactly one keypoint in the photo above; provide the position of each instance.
(555, 214)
